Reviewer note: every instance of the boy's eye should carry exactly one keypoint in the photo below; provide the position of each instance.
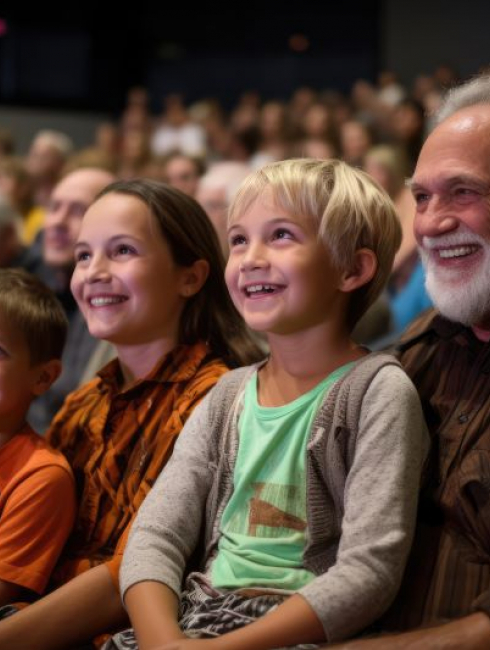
(282, 233)
(236, 240)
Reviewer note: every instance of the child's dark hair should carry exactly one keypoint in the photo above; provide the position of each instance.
(30, 307)
(210, 314)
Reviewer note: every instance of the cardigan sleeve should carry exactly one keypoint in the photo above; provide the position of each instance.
(380, 504)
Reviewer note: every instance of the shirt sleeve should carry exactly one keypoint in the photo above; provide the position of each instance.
(34, 525)
(380, 502)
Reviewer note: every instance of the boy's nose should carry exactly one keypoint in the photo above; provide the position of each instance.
(254, 257)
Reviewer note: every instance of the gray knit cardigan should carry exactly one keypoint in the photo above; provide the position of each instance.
(365, 455)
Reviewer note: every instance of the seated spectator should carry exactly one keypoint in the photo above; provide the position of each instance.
(17, 186)
(37, 490)
(12, 252)
(70, 199)
(355, 140)
(46, 157)
(216, 191)
(177, 131)
(407, 295)
(183, 172)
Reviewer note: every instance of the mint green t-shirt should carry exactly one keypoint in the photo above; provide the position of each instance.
(263, 527)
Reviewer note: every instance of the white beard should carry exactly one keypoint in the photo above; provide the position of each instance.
(461, 299)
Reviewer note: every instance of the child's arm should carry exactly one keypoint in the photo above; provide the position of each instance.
(153, 609)
(70, 616)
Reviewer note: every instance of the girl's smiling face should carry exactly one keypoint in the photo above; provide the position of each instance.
(279, 273)
(126, 282)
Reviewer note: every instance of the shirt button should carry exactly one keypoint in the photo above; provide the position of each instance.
(462, 418)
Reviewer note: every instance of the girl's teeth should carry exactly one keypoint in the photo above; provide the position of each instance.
(259, 288)
(99, 302)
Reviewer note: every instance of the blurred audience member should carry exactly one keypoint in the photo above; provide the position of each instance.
(17, 187)
(12, 252)
(135, 153)
(390, 92)
(108, 141)
(177, 131)
(407, 296)
(7, 144)
(408, 128)
(46, 157)
(182, 171)
(355, 140)
(69, 200)
(275, 134)
(216, 190)
(315, 148)
(136, 115)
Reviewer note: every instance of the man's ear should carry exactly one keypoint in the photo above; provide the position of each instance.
(193, 278)
(363, 270)
(45, 375)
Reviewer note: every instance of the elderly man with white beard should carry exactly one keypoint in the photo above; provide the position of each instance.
(444, 601)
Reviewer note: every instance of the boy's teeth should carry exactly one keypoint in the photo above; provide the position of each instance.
(258, 288)
(106, 300)
(461, 251)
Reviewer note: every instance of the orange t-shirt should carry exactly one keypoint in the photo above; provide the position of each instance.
(37, 509)
(117, 442)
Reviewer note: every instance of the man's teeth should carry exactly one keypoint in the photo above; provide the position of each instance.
(260, 288)
(461, 251)
(106, 300)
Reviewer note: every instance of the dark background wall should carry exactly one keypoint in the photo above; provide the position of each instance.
(83, 59)
(417, 35)
(87, 60)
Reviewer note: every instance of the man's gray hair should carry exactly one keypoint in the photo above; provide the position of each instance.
(473, 92)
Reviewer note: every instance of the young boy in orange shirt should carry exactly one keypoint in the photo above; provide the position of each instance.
(37, 490)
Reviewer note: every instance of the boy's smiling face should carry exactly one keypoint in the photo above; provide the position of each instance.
(279, 273)
(18, 378)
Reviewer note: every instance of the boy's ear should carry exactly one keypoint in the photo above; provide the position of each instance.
(193, 278)
(362, 272)
(45, 375)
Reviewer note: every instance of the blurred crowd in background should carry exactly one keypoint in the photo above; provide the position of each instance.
(207, 151)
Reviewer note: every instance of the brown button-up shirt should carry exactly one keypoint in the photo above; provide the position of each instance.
(448, 574)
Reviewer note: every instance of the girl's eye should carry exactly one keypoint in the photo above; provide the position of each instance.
(124, 249)
(82, 256)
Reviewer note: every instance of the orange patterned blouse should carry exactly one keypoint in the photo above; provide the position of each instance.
(117, 442)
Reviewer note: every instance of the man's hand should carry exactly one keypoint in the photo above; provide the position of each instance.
(469, 633)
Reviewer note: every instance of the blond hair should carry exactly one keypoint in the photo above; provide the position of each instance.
(349, 208)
